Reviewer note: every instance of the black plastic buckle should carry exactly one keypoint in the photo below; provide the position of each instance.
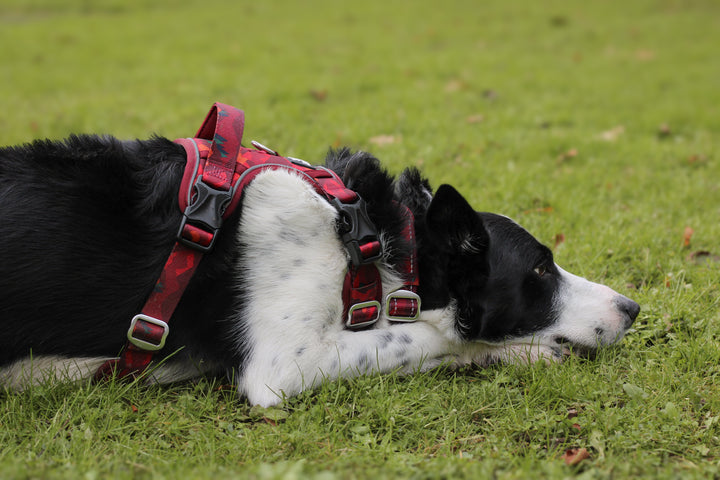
(356, 229)
(205, 212)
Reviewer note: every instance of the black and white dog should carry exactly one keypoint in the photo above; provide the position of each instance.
(87, 223)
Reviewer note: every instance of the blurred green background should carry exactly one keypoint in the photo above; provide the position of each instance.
(594, 124)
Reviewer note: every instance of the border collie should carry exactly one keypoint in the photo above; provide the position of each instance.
(87, 223)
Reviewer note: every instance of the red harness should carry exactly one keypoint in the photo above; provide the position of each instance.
(217, 170)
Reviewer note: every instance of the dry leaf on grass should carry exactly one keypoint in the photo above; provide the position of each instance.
(572, 153)
(644, 55)
(687, 235)
(319, 95)
(546, 209)
(477, 118)
(703, 256)
(455, 85)
(664, 131)
(573, 456)
(381, 140)
(697, 159)
(612, 134)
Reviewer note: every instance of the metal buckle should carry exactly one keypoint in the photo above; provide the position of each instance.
(265, 149)
(358, 306)
(270, 151)
(143, 344)
(406, 295)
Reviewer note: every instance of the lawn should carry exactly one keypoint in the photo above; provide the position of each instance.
(596, 125)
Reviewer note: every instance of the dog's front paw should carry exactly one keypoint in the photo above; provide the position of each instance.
(443, 320)
(483, 354)
(527, 353)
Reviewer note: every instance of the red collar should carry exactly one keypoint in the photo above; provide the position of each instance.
(217, 170)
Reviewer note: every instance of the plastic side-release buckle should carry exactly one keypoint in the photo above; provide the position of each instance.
(358, 232)
(203, 217)
(363, 314)
(402, 306)
(148, 336)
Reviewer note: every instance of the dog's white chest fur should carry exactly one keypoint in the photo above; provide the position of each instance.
(294, 265)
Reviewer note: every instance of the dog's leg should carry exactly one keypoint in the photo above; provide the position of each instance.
(33, 371)
(523, 352)
(273, 372)
(36, 370)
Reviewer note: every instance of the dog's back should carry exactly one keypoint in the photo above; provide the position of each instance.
(86, 226)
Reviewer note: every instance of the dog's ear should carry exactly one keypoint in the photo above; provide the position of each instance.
(458, 234)
(413, 191)
(453, 224)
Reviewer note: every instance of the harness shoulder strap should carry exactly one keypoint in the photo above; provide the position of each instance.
(205, 199)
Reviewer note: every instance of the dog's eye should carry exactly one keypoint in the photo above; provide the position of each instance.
(540, 270)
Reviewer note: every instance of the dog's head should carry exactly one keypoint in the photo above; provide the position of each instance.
(506, 287)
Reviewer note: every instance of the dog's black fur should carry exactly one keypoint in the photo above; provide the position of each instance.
(87, 226)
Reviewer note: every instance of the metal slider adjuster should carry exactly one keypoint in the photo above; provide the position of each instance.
(358, 306)
(402, 295)
(144, 344)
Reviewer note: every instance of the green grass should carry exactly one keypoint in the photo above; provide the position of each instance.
(550, 112)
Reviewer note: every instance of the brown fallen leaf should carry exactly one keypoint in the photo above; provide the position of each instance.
(612, 134)
(687, 235)
(559, 240)
(664, 131)
(644, 55)
(381, 140)
(547, 209)
(269, 421)
(477, 118)
(339, 140)
(455, 85)
(573, 456)
(697, 159)
(490, 94)
(319, 95)
(572, 153)
(703, 256)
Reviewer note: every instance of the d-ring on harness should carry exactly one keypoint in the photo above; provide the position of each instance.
(217, 170)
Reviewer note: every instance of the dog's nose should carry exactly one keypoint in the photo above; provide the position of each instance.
(628, 308)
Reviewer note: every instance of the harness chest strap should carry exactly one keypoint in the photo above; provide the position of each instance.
(217, 170)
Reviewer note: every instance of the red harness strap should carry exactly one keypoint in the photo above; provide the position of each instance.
(217, 170)
(403, 305)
